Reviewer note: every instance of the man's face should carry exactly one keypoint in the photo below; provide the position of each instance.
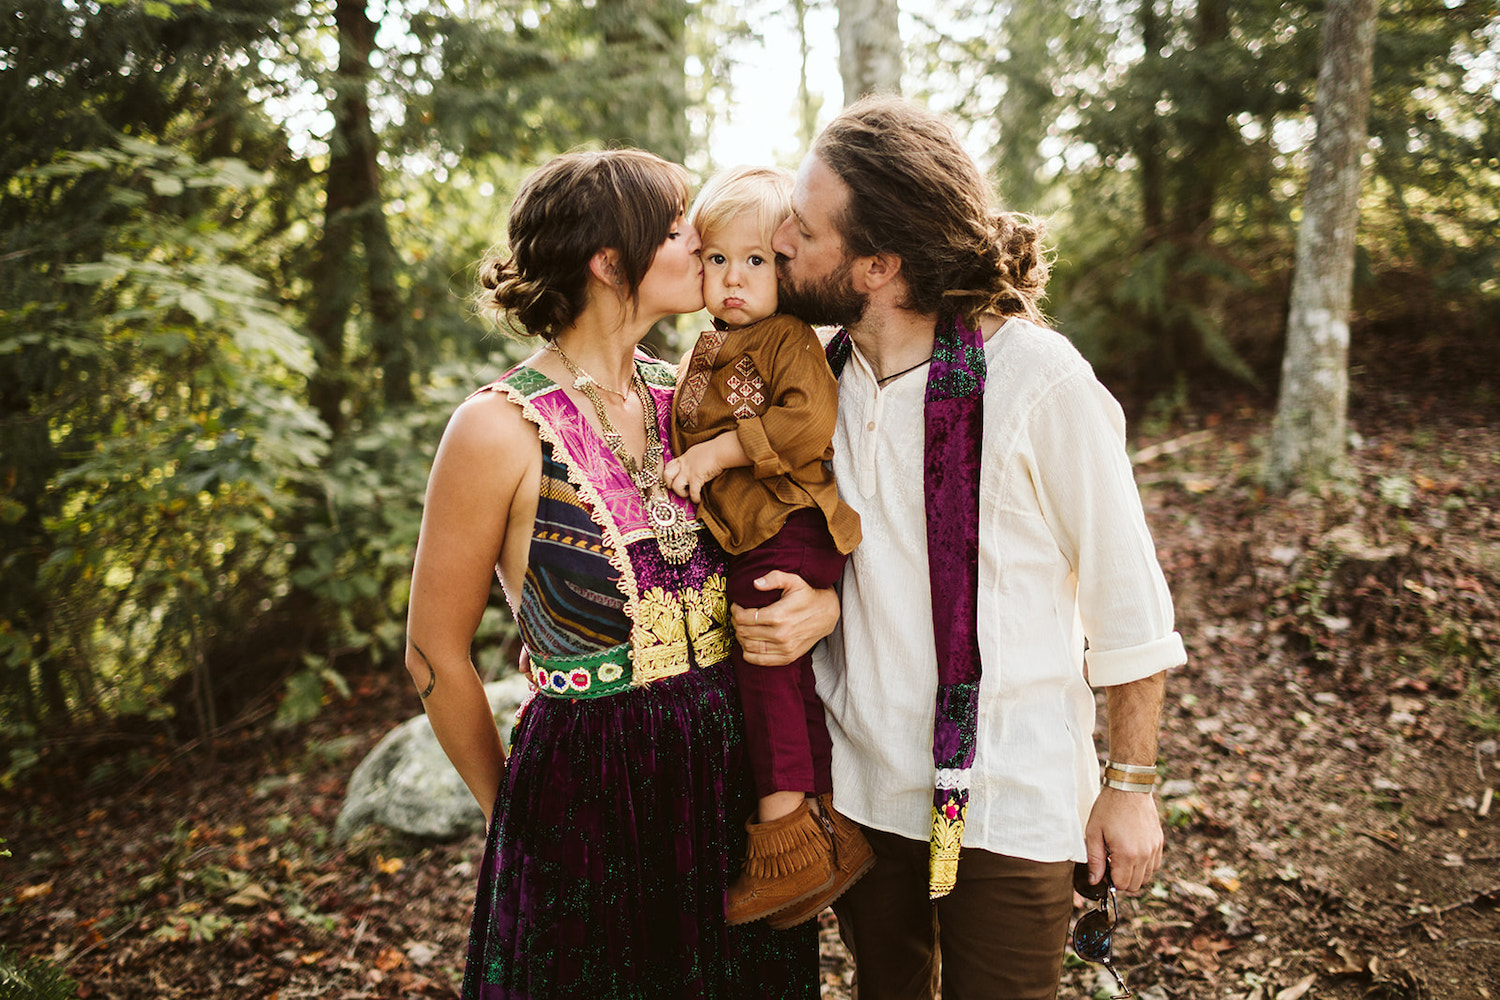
(812, 262)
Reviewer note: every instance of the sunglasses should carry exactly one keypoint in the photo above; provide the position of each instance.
(1095, 931)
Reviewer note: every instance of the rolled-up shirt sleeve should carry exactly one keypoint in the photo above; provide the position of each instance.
(1089, 498)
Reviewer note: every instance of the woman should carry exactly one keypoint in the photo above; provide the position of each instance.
(612, 825)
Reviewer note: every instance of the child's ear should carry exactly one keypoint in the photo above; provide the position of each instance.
(605, 266)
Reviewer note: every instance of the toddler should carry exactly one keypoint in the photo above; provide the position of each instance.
(752, 424)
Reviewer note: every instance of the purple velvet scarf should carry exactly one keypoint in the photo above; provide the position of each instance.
(954, 443)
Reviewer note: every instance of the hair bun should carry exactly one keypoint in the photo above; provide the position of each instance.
(517, 301)
(1015, 250)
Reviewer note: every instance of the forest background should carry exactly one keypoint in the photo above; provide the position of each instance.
(238, 239)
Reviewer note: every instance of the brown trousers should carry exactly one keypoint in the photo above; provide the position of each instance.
(999, 935)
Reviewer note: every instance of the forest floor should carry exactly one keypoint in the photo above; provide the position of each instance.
(1329, 760)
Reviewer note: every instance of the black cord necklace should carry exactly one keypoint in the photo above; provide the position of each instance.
(888, 378)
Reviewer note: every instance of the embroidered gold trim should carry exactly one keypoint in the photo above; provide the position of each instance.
(947, 838)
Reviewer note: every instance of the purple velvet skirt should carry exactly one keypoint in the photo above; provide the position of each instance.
(617, 829)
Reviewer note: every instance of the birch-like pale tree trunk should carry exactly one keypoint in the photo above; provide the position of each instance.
(807, 105)
(1308, 435)
(869, 48)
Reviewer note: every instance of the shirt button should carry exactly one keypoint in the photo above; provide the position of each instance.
(870, 426)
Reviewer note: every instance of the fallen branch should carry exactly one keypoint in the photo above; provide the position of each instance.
(1485, 895)
(125, 926)
(1382, 840)
(1171, 447)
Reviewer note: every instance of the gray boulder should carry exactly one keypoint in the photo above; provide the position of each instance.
(407, 783)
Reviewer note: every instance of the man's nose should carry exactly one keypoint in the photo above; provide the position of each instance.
(781, 244)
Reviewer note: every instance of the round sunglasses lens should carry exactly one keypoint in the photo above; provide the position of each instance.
(1092, 936)
(1087, 889)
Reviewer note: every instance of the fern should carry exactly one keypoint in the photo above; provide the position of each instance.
(33, 979)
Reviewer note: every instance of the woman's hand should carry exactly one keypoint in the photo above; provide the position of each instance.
(781, 632)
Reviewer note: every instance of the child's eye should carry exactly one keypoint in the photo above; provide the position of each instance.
(756, 260)
(716, 258)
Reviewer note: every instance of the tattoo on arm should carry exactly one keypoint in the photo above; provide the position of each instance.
(431, 673)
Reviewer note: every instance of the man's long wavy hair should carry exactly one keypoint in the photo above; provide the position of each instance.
(915, 193)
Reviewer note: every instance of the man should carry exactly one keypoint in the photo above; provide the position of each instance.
(1034, 577)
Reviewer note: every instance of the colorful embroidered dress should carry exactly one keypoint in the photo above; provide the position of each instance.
(622, 811)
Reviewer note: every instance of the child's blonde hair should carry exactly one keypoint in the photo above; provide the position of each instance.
(766, 191)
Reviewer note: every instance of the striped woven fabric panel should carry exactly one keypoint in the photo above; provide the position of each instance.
(570, 601)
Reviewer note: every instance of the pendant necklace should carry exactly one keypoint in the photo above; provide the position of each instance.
(674, 537)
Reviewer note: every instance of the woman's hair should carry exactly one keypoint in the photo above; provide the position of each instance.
(766, 191)
(915, 193)
(568, 210)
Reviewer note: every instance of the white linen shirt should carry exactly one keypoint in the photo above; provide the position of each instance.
(1064, 553)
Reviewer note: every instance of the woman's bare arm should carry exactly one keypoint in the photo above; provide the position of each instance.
(486, 463)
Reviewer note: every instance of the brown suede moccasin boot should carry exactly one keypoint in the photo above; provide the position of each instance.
(788, 860)
(852, 858)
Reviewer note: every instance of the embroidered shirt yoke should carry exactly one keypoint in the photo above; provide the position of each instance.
(770, 382)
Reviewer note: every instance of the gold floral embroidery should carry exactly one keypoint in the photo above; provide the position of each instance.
(665, 625)
(708, 621)
(701, 606)
(659, 637)
(947, 838)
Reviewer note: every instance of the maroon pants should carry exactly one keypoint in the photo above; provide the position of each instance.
(785, 731)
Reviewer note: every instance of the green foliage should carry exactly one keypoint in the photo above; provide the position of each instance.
(1168, 145)
(521, 80)
(184, 432)
(185, 521)
(197, 928)
(33, 979)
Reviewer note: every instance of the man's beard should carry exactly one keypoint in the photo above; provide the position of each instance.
(829, 301)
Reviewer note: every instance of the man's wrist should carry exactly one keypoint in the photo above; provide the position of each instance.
(1129, 777)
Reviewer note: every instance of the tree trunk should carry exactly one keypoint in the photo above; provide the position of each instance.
(1148, 146)
(387, 331)
(1202, 162)
(807, 108)
(1308, 434)
(648, 40)
(354, 212)
(869, 48)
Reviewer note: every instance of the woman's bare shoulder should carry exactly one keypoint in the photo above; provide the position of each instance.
(489, 424)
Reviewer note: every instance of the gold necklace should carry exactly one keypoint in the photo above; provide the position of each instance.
(674, 537)
(581, 378)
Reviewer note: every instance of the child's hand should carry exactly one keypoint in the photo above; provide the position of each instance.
(687, 475)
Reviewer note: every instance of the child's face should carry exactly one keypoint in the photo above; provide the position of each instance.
(739, 273)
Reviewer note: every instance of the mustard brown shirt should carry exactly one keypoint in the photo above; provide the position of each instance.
(770, 382)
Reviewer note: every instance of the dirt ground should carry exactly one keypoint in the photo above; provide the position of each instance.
(1328, 755)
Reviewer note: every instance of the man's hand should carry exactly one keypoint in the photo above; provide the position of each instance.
(781, 632)
(1125, 828)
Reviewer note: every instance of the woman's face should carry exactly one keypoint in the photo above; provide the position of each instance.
(674, 282)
